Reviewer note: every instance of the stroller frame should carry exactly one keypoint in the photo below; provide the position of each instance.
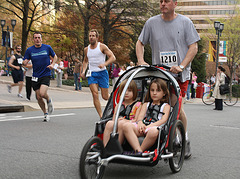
(167, 145)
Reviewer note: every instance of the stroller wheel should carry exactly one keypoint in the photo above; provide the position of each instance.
(177, 146)
(90, 165)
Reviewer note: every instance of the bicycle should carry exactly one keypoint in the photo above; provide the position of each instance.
(230, 100)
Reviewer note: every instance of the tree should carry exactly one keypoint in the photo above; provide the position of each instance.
(123, 19)
(199, 62)
(231, 35)
(27, 11)
(86, 13)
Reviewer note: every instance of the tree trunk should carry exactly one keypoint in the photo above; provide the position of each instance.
(25, 26)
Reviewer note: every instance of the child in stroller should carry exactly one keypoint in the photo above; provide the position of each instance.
(130, 109)
(155, 112)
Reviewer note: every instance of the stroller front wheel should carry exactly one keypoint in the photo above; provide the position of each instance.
(90, 165)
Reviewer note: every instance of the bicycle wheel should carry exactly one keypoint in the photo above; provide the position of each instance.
(177, 146)
(231, 99)
(208, 98)
(90, 165)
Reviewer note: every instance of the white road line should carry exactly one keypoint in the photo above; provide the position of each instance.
(224, 127)
(36, 117)
(10, 117)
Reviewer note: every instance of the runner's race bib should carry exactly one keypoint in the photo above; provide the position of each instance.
(89, 74)
(169, 58)
(20, 60)
(35, 79)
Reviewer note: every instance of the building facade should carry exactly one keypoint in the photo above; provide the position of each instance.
(201, 10)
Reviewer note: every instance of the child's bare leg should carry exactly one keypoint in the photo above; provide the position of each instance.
(130, 132)
(150, 139)
(107, 131)
(120, 131)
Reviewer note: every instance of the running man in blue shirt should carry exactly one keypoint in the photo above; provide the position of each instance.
(40, 55)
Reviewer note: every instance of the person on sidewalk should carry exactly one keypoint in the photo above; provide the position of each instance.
(40, 55)
(28, 78)
(115, 73)
(173, 40)
(76, 74)
(66, 67)
(189, 87)
(95, 54)
(193, 87)
(220, 80)
(15, 63)
(58, 67)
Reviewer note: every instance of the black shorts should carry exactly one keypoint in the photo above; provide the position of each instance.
(41, 81)
(17, 75)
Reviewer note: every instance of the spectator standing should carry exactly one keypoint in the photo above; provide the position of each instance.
(15, 63)
(52, 72)
(213, 79)
(174, 35)
(28, 78)
(131, 64)
(76, 73)
(2, 73)
(59, 72)
(66, 68)
(194, 80)
(123, 69)
(94, 55)
(189, 87)
(220, 80)
(40, 55)
(115, 73)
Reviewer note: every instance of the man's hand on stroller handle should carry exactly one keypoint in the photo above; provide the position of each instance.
(176, 69)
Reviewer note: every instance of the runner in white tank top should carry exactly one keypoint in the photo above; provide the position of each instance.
(95, 57)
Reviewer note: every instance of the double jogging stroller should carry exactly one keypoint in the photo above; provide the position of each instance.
(170, 144)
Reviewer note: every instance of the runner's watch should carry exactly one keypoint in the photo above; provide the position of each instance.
(181, 67)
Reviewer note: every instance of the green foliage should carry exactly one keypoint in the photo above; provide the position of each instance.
(236, 89)
(70, 82)
(199, 63)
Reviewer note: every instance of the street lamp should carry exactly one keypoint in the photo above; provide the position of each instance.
(219, 28)
(6, 35)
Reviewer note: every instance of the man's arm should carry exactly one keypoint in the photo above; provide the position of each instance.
(54, 60)
(192, 51)
(10, 63)
(140, 53)
(109, 53)
(85, 63)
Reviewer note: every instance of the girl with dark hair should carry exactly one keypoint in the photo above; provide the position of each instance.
(154, 112)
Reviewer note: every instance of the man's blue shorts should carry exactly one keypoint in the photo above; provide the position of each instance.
(101, 78)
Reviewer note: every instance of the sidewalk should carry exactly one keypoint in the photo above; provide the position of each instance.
(63, 98)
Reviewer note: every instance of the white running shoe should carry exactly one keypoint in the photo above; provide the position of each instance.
(20, 96)
(50, 106)
(9, 88)
(46, 117)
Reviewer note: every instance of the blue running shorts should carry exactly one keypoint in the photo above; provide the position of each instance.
(101, 78)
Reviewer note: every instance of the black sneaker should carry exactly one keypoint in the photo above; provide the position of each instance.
(188, 153)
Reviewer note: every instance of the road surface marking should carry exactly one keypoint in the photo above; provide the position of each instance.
(33, 117)
(225, 127)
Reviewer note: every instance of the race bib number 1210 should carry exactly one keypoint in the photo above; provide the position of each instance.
(169, 58)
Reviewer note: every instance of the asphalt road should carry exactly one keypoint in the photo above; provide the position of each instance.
(30, 148)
